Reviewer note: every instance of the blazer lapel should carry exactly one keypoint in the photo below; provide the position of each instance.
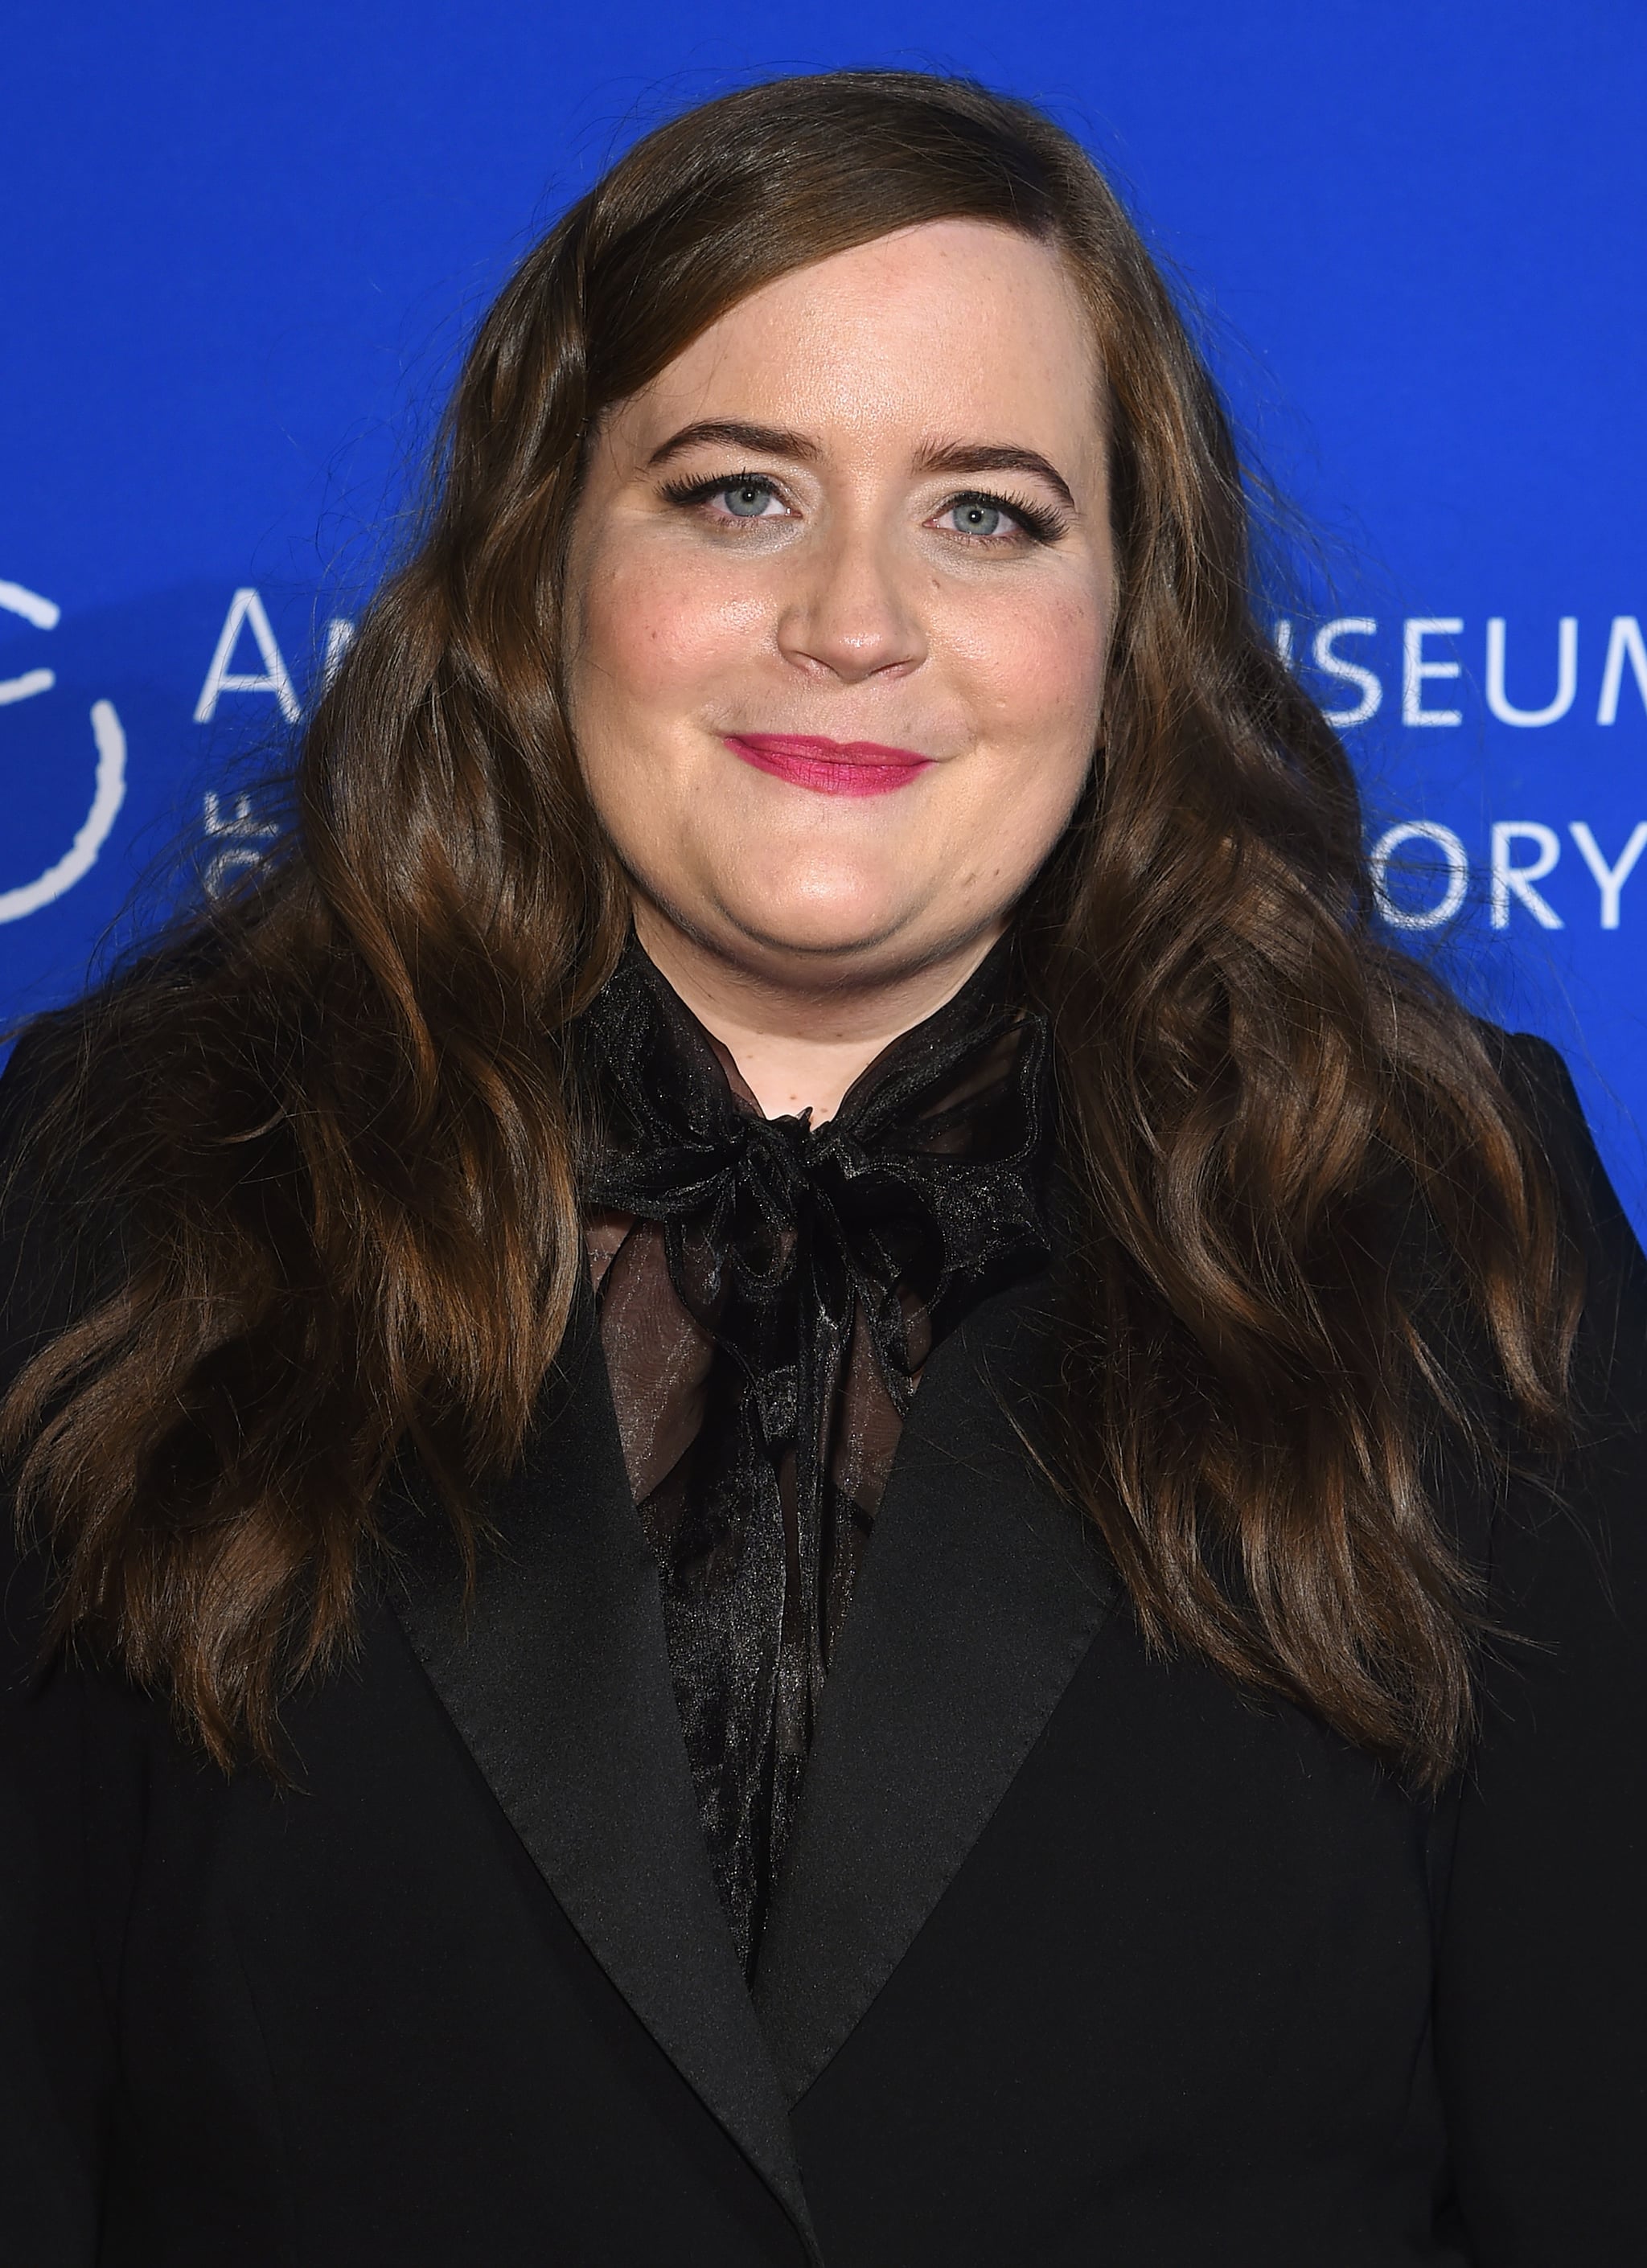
(978, 1596)
(557, 1676)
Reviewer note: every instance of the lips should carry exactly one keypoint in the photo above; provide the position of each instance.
(829, 767)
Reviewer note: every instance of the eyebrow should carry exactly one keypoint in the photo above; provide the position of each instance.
(984, 457)
(958, 457)
(735, 433)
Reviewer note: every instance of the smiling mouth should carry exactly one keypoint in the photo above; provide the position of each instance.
(829, 767)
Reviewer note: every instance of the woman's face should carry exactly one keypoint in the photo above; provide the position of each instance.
(841, 585)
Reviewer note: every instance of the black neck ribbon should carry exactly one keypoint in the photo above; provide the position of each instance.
(770, 1289)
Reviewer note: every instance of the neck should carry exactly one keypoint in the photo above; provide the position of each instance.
(800, 1040)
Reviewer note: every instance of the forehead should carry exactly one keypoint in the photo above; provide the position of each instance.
(941, 325)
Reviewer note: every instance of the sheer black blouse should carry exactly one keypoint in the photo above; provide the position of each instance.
(769, 1291)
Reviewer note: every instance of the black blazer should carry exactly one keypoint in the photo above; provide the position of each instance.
(1080, 1956)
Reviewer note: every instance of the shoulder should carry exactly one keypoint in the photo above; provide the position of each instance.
(1613, 1334)
(62, 1242)
(36, 1107)
(1571, 1556)
(1514, 1491)
(81, 1095)
(1537, 1077)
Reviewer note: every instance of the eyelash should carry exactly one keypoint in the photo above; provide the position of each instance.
(1038, 521)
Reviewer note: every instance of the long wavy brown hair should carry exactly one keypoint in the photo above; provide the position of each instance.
(324, 1138)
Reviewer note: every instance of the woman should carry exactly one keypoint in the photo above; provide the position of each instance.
(804, 1475)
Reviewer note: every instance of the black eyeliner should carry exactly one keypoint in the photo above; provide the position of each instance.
(1042, 523)
(683, 492)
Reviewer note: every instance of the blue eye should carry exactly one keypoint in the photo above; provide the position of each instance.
(974, 516)
(745, 499)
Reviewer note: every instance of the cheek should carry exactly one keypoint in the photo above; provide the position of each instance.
(1036, 664)
(655, 633)
(1037, 689)
(1036, 667)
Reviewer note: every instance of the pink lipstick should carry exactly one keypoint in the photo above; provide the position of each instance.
(829, 767)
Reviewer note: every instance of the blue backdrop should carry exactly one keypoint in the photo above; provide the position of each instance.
(246, 246)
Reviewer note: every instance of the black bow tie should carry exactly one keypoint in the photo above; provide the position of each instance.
(929, 1177)
(814, 1269)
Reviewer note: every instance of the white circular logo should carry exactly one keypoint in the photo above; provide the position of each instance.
(109, 791)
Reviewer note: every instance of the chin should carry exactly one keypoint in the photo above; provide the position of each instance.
(807, 928)
(810, 906)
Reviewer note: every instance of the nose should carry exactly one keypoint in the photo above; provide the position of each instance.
(850, 613)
